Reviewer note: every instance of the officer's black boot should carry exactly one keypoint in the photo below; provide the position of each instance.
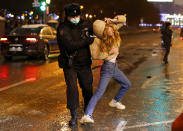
(73, 120)
(165, 60)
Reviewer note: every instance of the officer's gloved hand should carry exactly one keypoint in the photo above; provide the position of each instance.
(89, 39)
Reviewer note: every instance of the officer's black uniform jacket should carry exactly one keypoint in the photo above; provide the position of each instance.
(70, 41)
(167, 37)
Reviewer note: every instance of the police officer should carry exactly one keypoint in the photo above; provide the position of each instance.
(73, 37)
(167, 39)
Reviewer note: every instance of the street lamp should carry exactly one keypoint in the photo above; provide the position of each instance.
(31, 13)
(86, 15)
(90, 16)
(12, 15)
(81, 7)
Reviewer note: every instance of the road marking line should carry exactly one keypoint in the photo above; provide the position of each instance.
(17, 84)
(148, 124)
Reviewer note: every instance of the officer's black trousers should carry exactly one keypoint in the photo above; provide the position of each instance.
(167, 51)
(85, 78)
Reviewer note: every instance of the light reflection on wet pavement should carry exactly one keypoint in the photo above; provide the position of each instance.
(155, 95)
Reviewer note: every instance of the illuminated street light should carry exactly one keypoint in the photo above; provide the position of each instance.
(57, 17)
(22, 17)
(90, 16)
(81, 7)
(10, 15)
(31, 13)
(101, 11)
(86, 15)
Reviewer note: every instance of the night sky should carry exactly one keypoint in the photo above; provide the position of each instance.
(22, 5)
(16, 5)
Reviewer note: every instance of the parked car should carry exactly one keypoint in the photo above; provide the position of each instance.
(35, 40)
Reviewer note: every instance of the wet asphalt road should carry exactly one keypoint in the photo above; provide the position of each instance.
(32, 92)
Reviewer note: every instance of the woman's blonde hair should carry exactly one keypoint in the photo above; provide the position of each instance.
(108, 42)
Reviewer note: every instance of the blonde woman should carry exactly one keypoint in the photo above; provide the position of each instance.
(108, 50)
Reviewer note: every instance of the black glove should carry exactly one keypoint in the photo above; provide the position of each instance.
(89, 40)
(84, 33)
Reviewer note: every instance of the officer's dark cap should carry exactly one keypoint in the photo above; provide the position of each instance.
(167, 24)
(72, 10)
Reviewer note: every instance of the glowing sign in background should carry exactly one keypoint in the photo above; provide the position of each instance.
(160, 0)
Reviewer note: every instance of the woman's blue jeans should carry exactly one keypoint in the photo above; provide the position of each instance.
(109, 70)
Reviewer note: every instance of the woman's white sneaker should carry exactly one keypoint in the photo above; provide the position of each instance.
(86, 119)
(116, 104)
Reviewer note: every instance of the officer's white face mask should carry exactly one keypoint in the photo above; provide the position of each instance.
(75, 20)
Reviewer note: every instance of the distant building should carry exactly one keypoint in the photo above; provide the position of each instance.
(164, 6)
(169, 11)
(175, 19)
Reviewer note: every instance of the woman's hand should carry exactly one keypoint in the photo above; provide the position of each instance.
(109, 20)
(114, 20)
